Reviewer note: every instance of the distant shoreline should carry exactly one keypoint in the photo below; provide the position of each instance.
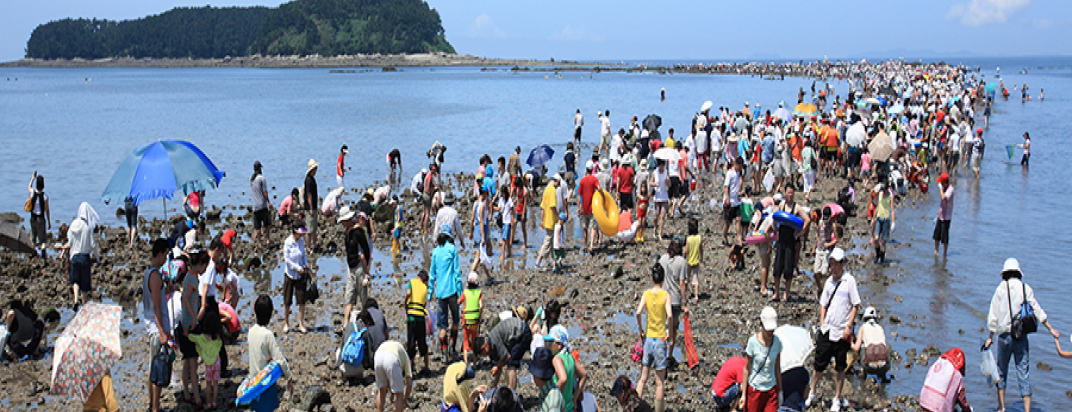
(257, 61)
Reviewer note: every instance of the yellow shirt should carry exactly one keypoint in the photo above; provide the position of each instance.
(670, 143)
(550, 199)
(883, 205)
(692, 243)
(103, 397)
(655, 302)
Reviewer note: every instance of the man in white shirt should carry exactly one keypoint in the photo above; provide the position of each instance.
(604, 131)
(954, 152)
(731, 197)
(616, 145)
(448, 214)
(578, 122)
(837, 311)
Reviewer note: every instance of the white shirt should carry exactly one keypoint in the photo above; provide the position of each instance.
(81, 239)
(661, 186)
(615, 143)
(733, 187)
(604, 127)
(209, 278)
(1011, 293)
(954, 142)
(506, 207)
(716, 140)
(294, 256)
(557, 243)
(839, 304)
(578, 120)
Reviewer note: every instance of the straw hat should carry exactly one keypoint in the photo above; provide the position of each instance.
(312, 165)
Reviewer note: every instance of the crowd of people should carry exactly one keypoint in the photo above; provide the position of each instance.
(898, 124)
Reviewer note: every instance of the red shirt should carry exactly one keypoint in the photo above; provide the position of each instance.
(728, 374)
(587, 188)
(341, 168)
(625, 179)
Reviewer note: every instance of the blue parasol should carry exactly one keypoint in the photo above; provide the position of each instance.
(160, 168)
(540, 155)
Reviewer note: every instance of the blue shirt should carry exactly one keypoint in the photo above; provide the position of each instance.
(768, 149)
(444, 275)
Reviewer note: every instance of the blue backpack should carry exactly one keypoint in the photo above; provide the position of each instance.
(353, 351)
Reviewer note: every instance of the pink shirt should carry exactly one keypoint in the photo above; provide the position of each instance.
(865, 162)
(945, 209)
(285, 205)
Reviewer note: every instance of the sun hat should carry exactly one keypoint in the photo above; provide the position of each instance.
(473, 278)
(370, 191)
(837, 255)
(769, 318)
(604, 164)
(312, 165)
(643, 163)
(228, 238)
(541, 365)
(562, 216)
(558, 334)
(345, 213)
(955, 356)
(1011, 265)
(521, 312)
(447, 229)
(870, 313)
(362, 215)
(448, 199)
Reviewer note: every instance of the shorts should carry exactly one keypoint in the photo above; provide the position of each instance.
(577, 133)
(311, 220)
(505, 233)
(853, 160)
(729, 395)
(654, 354)
(825, 349)
(975, 160)
(521, 217)
(763, 401)
(730, 213)
(212, 372)
(267, 402)
(338, 181)
(154, 345)
(661, 208)
(586, 223)
(292, 287)
(882, 228)
(625, 200)
(186, 347)
(416, 337)
(356, 291)
(785, 260)
(388, 370)
(822, 262)
(941, 231)
(675, 187)
(261, 218)
(426, 199)
(80, 272)
(604, 140)
(557, 254)
(445, 306)
(954, 158)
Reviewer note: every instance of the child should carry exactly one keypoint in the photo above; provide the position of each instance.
(559, 244)
(825, 241)
(396, 233)
(642, 209)
(263, 350)
(694, 257)
(208, 347)
(506, 210)
(865, 166)
(472, 305)
(747, 211)
(480, 224)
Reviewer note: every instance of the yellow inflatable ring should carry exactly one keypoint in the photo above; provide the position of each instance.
(606, 212)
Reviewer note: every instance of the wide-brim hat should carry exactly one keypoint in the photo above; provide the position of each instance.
(542, 365)
(345, 213)
(312, 165)
(448, 199)
(1011, 265)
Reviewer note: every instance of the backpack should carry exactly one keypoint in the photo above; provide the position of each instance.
(420, 184)
(353, 351)
(875, 356)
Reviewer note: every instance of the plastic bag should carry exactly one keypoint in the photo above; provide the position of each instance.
(989, 367)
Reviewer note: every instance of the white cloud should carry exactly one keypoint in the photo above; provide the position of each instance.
(484, 27)
(1043, 23)
(980, 12)
(570, 33)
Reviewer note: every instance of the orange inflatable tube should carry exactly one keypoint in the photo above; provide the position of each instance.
(605, 211)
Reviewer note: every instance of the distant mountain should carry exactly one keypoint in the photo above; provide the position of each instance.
(300, 27)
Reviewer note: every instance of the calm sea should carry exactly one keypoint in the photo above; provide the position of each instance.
(74, 126)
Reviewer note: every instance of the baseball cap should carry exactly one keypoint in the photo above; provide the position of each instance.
(562, 216)
(769, 318)
(870, 313)
(944, 177)
(837, 255)
(447, 229)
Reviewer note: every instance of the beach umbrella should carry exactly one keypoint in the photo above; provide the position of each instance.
(86, 350)
(856, 136)
(882, 101)
(872, 100)
(990, 87)
(652, 122)
(540, 155)
(805, 110)
(796, 346)
(783, 113)
(160, 168)
(706, 106)
(668, 154)
(896, 109)
(881, 147)
(14, 238)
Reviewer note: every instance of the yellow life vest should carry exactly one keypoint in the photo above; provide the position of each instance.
(472, 305)
(417, 298)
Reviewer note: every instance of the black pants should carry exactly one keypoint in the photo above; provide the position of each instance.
(416, 338)
(20, 349)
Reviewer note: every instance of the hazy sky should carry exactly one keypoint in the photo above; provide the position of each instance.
(674, 29)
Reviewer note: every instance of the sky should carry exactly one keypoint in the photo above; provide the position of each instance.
(606, 30)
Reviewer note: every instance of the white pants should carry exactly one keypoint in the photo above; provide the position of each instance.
(389, 372)
(809, 180)
(338, 180)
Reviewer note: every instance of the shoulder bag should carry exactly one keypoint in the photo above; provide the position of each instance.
(1023, 322)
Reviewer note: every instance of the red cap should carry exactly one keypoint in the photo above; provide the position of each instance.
(228, 239)
(956, 357)
(943, 178)
(979, 131)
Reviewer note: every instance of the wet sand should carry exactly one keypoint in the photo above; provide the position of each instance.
(598, 305)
